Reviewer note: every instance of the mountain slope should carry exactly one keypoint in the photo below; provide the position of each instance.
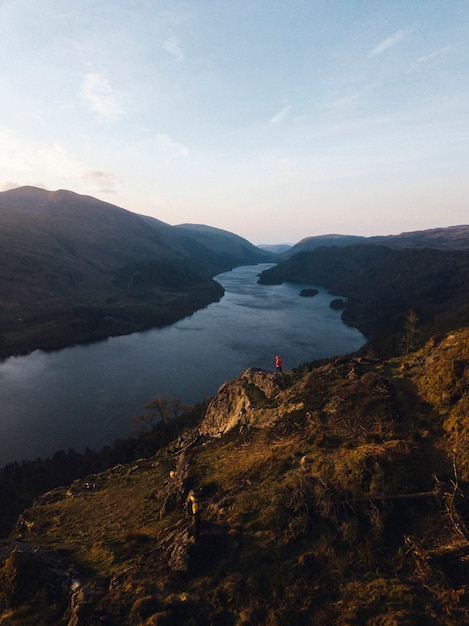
(449, 238)
(383, 284)
(41, 233)
(332, 495)
(73, 268)
(214, 246)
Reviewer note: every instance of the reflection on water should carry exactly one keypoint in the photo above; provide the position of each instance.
(85, 395)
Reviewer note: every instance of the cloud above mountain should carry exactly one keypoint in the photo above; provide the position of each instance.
(97, 92)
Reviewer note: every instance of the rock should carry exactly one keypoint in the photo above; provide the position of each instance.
(253, 400)
(82, 606)
(50, 496)
(179, 559)
(177, 547)
(308, 293)
(175, 489)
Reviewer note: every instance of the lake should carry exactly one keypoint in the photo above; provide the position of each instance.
(84, 396)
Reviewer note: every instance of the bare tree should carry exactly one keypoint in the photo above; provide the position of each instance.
(160, 411)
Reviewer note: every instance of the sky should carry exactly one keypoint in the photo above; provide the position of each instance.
(273, 119)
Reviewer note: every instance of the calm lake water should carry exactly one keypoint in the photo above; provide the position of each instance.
(85, 395)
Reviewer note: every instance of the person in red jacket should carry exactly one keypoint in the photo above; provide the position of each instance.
(278, 364)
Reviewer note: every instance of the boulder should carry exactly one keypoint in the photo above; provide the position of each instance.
(253, 400)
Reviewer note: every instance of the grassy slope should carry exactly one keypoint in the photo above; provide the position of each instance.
(343, 511)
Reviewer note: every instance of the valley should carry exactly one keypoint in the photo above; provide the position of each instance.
(74, 269)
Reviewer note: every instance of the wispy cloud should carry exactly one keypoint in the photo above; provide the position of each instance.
(8, 184)
(169, 146)
(280, 116)
(389, 42)
(31, 163)
(171, 45)
(97, 91)
(105, 182)
(346, 100)
(426, 58)
(25, 156)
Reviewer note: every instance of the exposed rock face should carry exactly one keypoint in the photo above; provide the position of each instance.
(176, 487)
(253, 400)
(178, 547)
(82, 606)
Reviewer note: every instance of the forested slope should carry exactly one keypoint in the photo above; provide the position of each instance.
(383, 285)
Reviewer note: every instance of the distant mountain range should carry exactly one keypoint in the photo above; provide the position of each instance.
(450, 238)
(276, 248)
(74, 268)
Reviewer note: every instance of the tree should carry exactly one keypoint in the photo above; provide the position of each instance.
(160, 413)
(411, 333)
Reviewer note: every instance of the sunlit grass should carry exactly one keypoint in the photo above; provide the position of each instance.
(104, 527)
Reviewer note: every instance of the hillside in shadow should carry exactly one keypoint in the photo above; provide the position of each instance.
(384, 285)
(74, 269)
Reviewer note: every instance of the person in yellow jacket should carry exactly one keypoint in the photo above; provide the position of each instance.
(193, 510)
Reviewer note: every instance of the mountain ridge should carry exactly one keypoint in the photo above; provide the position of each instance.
(75, 269)
(449, 237)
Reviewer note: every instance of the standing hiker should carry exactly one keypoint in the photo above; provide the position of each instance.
(278, 364)
(193, 510)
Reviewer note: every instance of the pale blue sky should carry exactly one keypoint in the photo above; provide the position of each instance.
(274, 119)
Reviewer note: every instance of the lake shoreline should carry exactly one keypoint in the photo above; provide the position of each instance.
(85, 395)
(65, 328)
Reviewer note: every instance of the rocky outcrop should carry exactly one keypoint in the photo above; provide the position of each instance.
(82, 606)
(329, 506)
(253, 400)
(178, 546)
(176, 487)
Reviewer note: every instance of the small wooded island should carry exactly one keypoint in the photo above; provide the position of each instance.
(308, 293)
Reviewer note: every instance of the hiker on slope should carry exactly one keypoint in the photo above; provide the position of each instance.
(193, 510)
